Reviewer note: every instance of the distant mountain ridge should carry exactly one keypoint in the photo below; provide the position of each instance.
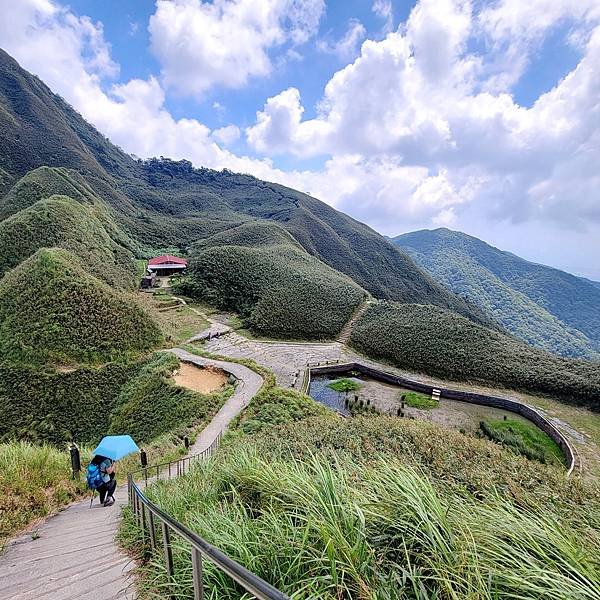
(546, 307)
(162, 203)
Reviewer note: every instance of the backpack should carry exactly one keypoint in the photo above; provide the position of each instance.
(94, 477)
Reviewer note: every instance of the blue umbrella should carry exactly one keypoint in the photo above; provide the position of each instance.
(116, 446)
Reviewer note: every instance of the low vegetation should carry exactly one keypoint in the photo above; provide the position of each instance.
(344, 385)
(150, 405)
(440, 343)
(274, 405)
(54, 312)
(138, 398)
(523, 438)
(42, 183)
(278, 290)
(416, 400)
(42, 405)
(61, 222)
(178, 323)
(370, 507)
(35, 480)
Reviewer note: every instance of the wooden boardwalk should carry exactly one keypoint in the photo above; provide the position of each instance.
(74, 555)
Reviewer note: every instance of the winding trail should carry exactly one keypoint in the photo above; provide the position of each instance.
(74, 555)
(249, 383)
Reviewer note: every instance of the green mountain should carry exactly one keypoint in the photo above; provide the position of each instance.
(60, 221)
(545, 307)
(164, 203)
(289, 264)
(53, 312)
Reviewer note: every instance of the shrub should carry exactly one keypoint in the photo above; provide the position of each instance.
(62, 222)
(275, 406)
(344, 385)
(150, 404)
(435, 341)
(278, 290)
(56, 407)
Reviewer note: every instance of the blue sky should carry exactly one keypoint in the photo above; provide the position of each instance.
(478, 115)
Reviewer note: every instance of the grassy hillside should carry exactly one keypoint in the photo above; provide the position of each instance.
(138, 398)
(335, 508)
(42, 405)
(63, 222)
(545, 307)
(150, 405)
(168, 203)
(42, 183)
(52, 311)
(276, 287)
(435, 341)
(34, 482)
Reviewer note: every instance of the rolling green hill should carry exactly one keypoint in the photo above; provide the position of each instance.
(279, 289)
(545, 307)
(53, 311)
(377, 507)
(42, 183)
(60, 221)
(440, 343)
(165, 203)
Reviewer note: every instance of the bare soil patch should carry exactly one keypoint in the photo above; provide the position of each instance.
(203, 380)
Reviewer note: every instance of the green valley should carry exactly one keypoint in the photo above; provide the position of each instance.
(358, 500)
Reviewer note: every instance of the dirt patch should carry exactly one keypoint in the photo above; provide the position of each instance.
(66, 369)
(203, 380)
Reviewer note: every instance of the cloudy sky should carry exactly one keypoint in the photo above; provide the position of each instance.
(482, 116)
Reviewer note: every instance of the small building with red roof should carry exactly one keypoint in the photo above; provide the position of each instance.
(167, 264)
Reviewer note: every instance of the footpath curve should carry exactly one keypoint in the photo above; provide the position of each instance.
(249, 384)
(74, 554)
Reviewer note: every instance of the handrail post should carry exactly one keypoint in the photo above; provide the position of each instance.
(197, 574)
(167, 547)
(143, 507)
(152, 530)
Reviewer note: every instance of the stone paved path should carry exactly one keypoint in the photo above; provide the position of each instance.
(286, 360)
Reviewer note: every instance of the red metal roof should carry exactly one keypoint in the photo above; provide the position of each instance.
(166, 259)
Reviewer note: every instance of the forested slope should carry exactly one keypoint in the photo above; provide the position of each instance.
(440, 343)
(262, 273)
(545, 307)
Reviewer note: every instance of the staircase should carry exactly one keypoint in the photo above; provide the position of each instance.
(346, 332)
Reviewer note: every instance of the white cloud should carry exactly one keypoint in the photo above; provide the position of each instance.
(384, 10)
(415, 99)
(71, 56)
(227, 135)
(201, 44)
(414, 132)
(347, 46)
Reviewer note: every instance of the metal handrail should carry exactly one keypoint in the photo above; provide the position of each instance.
(147, 513)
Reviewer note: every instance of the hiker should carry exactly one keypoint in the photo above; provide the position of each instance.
(101, 477)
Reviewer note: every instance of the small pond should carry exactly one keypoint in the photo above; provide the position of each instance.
(385, 398)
